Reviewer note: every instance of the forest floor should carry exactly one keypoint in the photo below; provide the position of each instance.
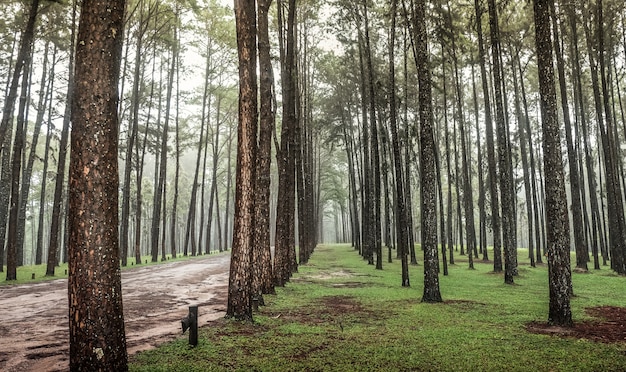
(611, 326)
(339, 314)
(34, 317)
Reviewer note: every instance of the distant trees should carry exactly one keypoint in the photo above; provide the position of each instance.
(20, 70)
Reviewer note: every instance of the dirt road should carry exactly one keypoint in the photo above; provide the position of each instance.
(34, 317)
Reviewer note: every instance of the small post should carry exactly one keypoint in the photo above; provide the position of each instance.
(32, 276)
(255, 304)
(191, 322)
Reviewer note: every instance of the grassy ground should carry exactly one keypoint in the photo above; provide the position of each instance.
(339, 314)
(25, 273)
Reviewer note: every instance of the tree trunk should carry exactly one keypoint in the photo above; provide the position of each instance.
(213, 197)
(130, 143)
(204, 123)
(448, 229)
(160, 187)
(468, 197)
(44, 178)
(368, 218)
(28, 170)
(5, 193)
(617, 223)
(23, 56)
(228, 187)
(56, 219)
(582, 123)
(521, 122)
(538, 214)
(262, 264)
(558, 237)
(504, 160)
(491, 157)
(482, 224)
(285, 240)
(375, 165)
(97, 337)
(582, 255)
(174, 214)
(427, 162)
(14, 255)
(240, 280)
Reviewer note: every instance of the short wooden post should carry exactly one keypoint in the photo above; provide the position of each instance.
(191, 322)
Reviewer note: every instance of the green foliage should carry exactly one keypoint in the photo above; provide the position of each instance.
(338, 313)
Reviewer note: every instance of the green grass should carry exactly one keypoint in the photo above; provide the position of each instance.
(25, 273)
(339, 314)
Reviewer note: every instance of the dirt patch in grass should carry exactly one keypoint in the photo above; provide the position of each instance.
(350, 285)
(611, 327)
(332, 275)
(464, 304)
(230, 327)
(338, 305)
(327, 310)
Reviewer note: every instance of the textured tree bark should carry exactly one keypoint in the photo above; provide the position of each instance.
(558, 237)
(240, 280)
(262, 253)
(97, 336)
(285, 209)
(428, 174)
(582, 254)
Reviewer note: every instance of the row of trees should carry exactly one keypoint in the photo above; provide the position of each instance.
(501, 121)
(100, 194)
(177, 133)
(383, 126)
(352, 98)
(166, 115)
